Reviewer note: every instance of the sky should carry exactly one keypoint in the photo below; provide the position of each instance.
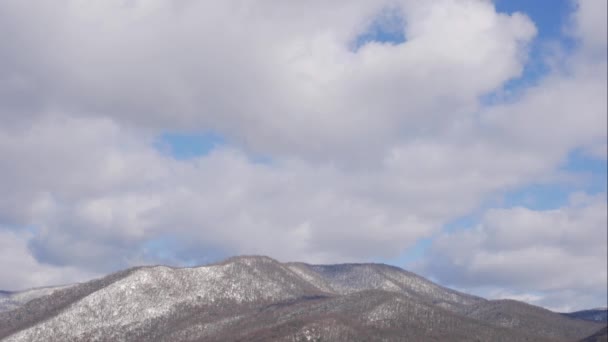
(464, 140)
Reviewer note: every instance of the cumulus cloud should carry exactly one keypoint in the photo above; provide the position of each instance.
(370, 148)
(542, 254)
(264, 73)
(18, 267)
(589, 24)
(98, 192)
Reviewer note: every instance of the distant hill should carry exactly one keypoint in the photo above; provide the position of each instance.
(596, 315)
(255, 298)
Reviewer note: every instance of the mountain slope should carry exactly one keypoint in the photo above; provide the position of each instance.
(349, 278)
(258, 298)
(55, 303)
(529, 319)
(11, 300)
(599, 336)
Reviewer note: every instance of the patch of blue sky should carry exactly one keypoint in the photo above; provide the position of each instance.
(550, 18)
(540, 196)
(579, 161)
(189, 145)
(473, 218)
(14, 224)
(388, 28)
(408, 258)
(169, 250)
(30, 228)
(160, 248)
(590, 176)
(465, 222)
(261, 159)
(183, 146)
(592, 171)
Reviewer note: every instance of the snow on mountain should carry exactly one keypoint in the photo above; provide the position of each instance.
(258, 298)
(12, 300)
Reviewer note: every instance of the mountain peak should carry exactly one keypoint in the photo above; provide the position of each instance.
(251, 259)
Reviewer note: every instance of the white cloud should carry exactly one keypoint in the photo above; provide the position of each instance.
(265, 73)
(518, 250)
(590, 25)
(96, 193)
(371, 150)
(19, 268)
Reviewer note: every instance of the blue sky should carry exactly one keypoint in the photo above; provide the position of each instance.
(188, 145)
(327, 132)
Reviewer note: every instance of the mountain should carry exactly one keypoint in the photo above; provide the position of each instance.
(599, 336)
(596, 315)
(256, 298)
(12, 300)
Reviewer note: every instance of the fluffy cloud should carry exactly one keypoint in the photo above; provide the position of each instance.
(371, 148)
(589, 24)
(19, 267)
(547, 253)
(97, 192)
(265, 73)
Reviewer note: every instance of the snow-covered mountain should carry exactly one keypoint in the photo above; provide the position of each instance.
(260, 299)
(13, 300)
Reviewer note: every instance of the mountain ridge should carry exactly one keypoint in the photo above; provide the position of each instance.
(259, 298)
